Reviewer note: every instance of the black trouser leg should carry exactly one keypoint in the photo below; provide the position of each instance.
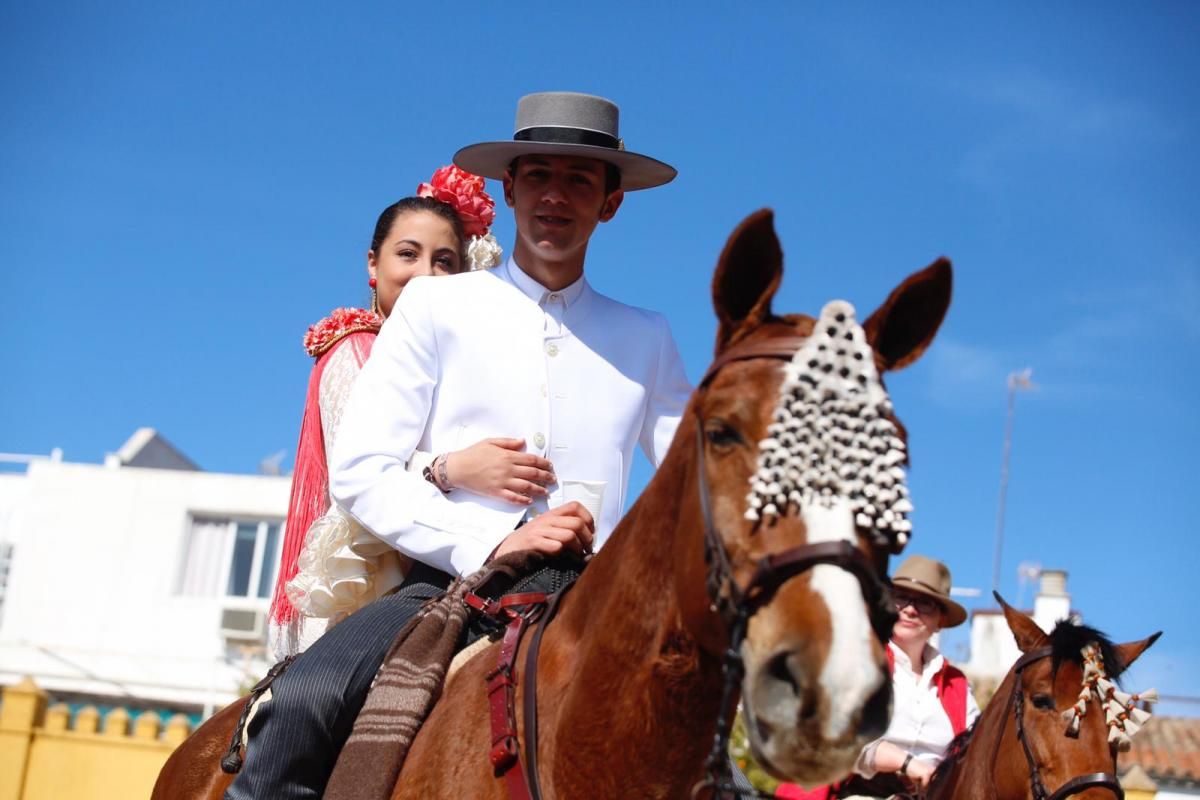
(297, 735)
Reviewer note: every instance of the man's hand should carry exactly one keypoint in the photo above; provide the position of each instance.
(568, 526)
(919, 772)
(500, 468)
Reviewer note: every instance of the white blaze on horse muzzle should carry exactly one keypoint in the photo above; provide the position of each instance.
(814, 711)
(850, 675)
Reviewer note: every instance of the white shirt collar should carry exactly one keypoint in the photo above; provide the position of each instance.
(538, 293)
(933, 660)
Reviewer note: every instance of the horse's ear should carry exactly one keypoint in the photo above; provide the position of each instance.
(1027, 633)
(906, 323)
(1128, 653)
(747, 276)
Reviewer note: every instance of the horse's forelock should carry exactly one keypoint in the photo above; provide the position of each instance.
(1068, 639)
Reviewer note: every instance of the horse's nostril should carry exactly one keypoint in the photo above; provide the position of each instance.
(778, 669)
(809, 707)
(877, 712)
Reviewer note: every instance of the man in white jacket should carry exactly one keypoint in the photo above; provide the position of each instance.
(526, 350)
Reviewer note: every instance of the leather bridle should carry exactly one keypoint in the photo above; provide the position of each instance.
(735, 604)
(1106, 780)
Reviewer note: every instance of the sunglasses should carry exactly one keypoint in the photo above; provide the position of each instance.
(923, 604)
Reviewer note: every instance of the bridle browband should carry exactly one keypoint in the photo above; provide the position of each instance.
(735, 604)
(1106, 780)
(731, 601)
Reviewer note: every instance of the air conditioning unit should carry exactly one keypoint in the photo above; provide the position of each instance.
(244, 624)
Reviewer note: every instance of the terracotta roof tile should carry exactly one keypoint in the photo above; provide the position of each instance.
(1168, 749)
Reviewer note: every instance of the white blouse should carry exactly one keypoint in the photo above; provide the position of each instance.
(919, 722)
(342, 567)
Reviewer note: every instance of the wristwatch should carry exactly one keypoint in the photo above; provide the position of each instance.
(908, 757)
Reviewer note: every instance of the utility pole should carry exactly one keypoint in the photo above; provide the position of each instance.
(1017, 381)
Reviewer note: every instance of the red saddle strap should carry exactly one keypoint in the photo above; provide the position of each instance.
(505, 755)
(502, 685)
(503, 607)
(501, 690)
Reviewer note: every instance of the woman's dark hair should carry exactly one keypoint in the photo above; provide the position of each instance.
(408, 204)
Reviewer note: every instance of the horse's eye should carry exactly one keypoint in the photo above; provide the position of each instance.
(721, 434)
(1043, 701)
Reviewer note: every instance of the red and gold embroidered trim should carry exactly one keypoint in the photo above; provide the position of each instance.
(340, 323)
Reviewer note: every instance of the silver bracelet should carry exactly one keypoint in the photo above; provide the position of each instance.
(443, 477)
(436, 474)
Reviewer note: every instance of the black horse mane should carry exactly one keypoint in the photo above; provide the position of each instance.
(954, 753)
(1067, 641)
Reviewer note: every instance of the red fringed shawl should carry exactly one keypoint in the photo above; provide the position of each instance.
(345, 327)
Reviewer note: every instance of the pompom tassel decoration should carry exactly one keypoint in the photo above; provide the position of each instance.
(833, 439)
(1121, 714)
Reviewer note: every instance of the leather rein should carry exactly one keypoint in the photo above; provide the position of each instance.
(1106, 780)
(735, 604)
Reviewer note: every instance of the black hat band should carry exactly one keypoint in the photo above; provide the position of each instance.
(555, 135)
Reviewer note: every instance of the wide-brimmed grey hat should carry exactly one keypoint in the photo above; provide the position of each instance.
(566, 124)
(930, 577)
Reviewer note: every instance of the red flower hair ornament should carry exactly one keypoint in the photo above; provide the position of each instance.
(464, 192)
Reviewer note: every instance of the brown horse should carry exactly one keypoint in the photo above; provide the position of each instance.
(1021, 747)
(193, 769)
(630, 675)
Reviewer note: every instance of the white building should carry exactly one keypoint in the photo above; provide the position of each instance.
(993, 648)
(140, 581)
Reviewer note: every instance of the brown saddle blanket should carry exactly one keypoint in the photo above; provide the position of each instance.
(409, 683)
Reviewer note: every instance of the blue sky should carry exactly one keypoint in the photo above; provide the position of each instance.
(187, 186)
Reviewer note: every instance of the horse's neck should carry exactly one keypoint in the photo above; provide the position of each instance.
(973, 775)
(626, 600)
(625, 663)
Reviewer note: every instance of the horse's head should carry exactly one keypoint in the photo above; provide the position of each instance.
(1069, 714)
(797, 446)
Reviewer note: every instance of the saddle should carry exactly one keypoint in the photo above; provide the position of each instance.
(412, 676)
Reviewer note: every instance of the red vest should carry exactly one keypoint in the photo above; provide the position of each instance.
(952, 690)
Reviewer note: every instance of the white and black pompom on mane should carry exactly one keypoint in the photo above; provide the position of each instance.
(832, 437)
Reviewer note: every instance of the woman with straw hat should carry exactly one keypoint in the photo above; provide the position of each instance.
(932, 702)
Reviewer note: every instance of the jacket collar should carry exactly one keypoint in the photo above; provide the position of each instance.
(538, 293)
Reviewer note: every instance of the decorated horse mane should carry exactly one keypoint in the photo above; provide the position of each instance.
(1096, 655)
(1098, 658)
(1069, 640)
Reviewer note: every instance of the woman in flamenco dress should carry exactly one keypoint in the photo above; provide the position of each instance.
(330, 565)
